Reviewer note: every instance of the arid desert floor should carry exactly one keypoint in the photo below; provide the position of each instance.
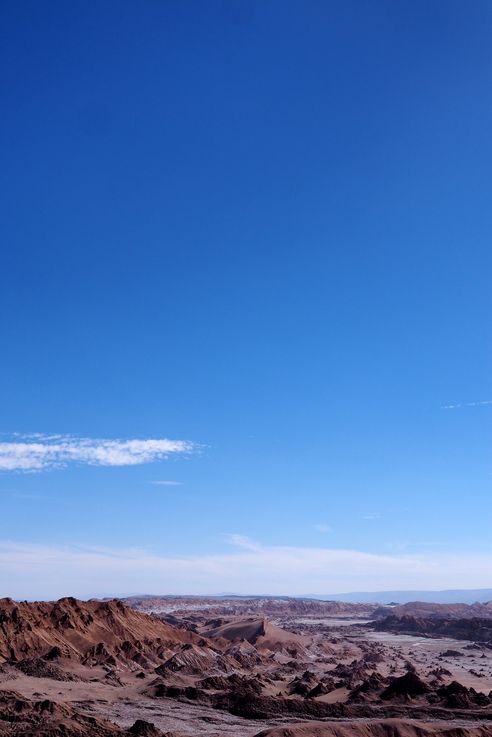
(240, 666)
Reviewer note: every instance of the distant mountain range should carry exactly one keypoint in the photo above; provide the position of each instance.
(449, 596)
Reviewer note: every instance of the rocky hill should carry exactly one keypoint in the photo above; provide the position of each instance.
(475, 629)
(427, 610)
(91, 632)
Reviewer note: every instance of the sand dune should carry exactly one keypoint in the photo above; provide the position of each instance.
(256, 630)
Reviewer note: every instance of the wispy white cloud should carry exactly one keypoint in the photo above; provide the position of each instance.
(42, 571)
(21, 495)
(241, 541)
(166, 483)
(372, 515)
(467, 404)
(324, 529)
(41, 452)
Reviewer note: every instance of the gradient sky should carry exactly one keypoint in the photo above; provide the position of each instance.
(263, 228)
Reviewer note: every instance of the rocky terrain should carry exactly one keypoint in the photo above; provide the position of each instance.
(475, 629)
(45, 718)
(425, 610)
(246, 605)
(240, 666)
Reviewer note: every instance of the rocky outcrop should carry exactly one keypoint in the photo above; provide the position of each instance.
(476, 629)
(408, 686)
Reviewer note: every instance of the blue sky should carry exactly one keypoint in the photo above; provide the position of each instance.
(262, 230)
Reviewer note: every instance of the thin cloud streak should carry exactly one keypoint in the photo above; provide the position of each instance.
(21, 495)
(467, 404)
(44, 452)
(42, 571)
(166, 483)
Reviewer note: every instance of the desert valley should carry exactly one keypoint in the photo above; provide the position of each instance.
(210, 667)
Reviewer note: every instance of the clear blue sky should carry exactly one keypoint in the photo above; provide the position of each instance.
(263, 228)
